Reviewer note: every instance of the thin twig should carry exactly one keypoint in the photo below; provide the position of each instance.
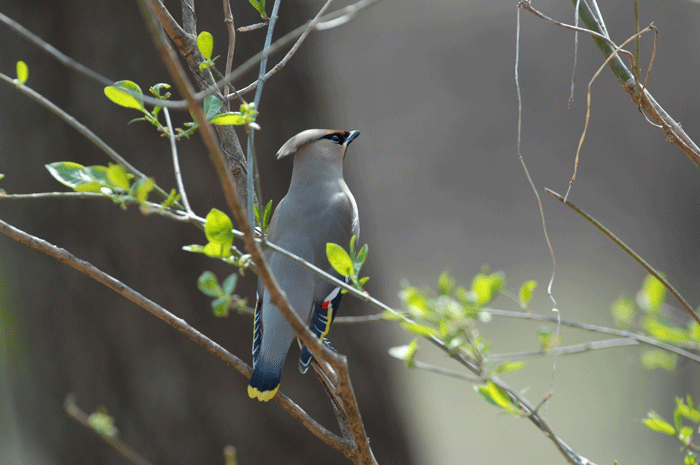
(566, 350)
(588, 102)
(228, 19)
(181, 325)
(75, 412)
(176, 161)
(537, 195)
(631, 253)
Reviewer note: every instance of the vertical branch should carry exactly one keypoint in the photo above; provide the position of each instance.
(228, 19)
(258, 95)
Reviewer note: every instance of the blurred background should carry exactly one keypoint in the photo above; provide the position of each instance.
(439, 187)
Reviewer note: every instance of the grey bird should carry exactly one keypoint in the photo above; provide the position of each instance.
(318, 208)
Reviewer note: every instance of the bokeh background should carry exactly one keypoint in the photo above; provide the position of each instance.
(439, 186)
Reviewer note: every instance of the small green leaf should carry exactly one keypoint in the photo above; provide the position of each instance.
(652, 359)
(624, 311)
(205, 44)
(22, 72)
(362, 281)
(419, 329)
(216, 250)
(655, 422)
(353, 240)
(155, 90)
(229, 118)
(687, 411)
(230, 283)
(339, 259)
(141, 188)
(267, 215)
(486, 286)
(651, 295)
(70, 174)
(526, 291)
(220, 306)
(406, 353)
(495, 395)
(507, 366)
(118, 177)
(690, 458)
(102, 423)
(361, 257)
(173, 197)
(208, 284)
(194, 248)
(685, 434)
(211, 106)
(219, 228)
(260, 6)
(445, 283)
(126, 94)
(415, 301)
(663, 331)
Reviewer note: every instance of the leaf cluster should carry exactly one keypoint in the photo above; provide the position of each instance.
(685, 410)
(347, 264)
(224, 298)
(646, 312)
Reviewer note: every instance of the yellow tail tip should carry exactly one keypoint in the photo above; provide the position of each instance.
(263, 396)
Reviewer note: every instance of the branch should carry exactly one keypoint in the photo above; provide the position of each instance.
(181, 325)
(631, 252)
(360, 453)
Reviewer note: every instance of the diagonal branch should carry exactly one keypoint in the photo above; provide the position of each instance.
(181, 325)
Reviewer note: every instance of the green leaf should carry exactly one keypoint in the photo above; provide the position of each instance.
(652, 359)
(260, 6)
(687, 411)
(155, 90)
(194, 248)
(229, 118)
(651, 295)
(73, 175)
(526, 291)
(339, 259)
(22, 72)
(220, 306)
(126, 94)
(205, 44)
(208, 284)
(690, 458)
(141, 188)
(445, 283)
(219, 228)
(624, 311)
(362, 281)
(655, 422)
(415, 301)
(353, 240)
(685, 434)
(173, 197)
(495, 395)
(485, 287)
(102, 423)
(419, 329)
(267, 215)
(230, 283)
(406, 353)
(216, 250)
(507, 366)
(663, 331)
(211, 107)
(118, 177)
(361, 257)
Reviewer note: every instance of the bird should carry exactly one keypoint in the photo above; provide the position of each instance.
(317, 209)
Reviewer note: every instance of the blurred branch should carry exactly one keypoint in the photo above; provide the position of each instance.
(113, 440)
(181, 325)
(631, 252)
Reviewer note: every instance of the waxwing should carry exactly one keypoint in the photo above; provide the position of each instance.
(318, 208)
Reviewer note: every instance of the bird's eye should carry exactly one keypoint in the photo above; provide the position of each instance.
(337, 138)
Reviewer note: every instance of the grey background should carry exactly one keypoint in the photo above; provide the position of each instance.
(439, 186)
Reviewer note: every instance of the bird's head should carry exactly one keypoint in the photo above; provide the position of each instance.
(326, 144)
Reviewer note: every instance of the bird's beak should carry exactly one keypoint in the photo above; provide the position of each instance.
(353, 135)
